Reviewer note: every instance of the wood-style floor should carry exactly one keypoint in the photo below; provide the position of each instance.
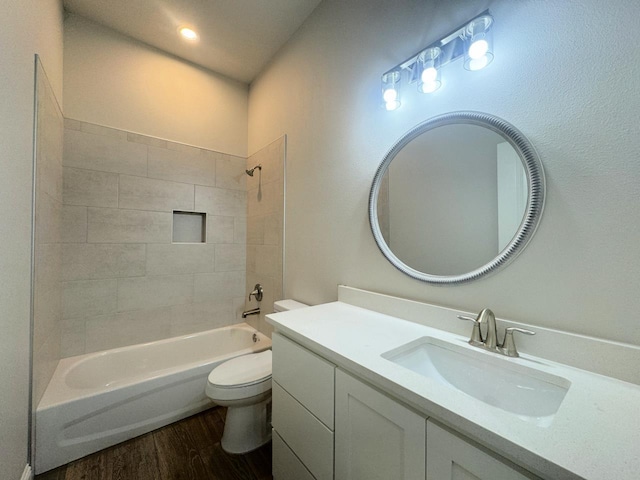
(189, 450)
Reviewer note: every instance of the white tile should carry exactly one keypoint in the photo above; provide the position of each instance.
(220, 229)
(94, 129)
(188, 165)
(90, 188)
(127, 328)
(251, 258)
(238, 308)
(271, 158)
(197, 317)
(96, 260)
(255, 230)
(72, 124)
(74, 224)
(151, 292)
(49, 174)
(104, 153)
(89, 297)
(145, 140)
(45, 361)
(230, 257)
(240, 230)
(230, 172)
(267, 200)
(180, 259)
(218, 286)
(73, 337)
(268, 260)
(273, 229)
(220, 201)
(48, 219)
(110, 225)
(140, 193)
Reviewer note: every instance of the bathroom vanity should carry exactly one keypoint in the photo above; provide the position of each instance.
(361, 394)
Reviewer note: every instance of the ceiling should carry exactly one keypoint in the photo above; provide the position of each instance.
(236, 37)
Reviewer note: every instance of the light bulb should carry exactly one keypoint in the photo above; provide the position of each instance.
(478, 49)
(392, 105)
(391, 90)
(188, 33)
(429, 75)
(478, 63)
(390, 95)
(429, 87)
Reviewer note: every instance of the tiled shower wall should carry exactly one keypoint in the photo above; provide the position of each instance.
(124, 281)
(265, 227)
(47, 291)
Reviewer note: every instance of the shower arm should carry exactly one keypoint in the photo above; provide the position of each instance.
(250, 172)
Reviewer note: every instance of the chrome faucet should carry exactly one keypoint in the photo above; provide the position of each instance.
(490, 340)
(253, 311)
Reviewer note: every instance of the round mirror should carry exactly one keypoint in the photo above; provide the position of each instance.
(456, 197)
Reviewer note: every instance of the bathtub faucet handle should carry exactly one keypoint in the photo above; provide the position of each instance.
(257, 292)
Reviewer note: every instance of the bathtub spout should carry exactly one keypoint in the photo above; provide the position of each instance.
(253, 311)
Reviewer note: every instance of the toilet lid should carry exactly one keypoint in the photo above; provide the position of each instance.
(244, 370)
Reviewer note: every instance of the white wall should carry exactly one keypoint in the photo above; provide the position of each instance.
(118, 82)
(28, 27)
(565, 73)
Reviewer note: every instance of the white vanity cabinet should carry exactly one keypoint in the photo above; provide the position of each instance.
(376, 437)
(450, 457)
(303, 413)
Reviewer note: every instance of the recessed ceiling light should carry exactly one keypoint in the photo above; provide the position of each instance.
(188, 33)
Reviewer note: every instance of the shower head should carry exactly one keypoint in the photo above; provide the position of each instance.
(250, 172)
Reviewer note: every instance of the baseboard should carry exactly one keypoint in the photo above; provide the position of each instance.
(27, 474)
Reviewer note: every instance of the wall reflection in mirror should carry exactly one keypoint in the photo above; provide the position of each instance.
(452, 199)
(457, 197)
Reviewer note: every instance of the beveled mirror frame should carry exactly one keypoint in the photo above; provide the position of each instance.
(533, 210)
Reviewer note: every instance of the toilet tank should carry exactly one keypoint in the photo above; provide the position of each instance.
(286, 305)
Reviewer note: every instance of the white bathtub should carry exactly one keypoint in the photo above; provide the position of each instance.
(99, 399)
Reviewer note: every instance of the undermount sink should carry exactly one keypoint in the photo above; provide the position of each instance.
(530, 394)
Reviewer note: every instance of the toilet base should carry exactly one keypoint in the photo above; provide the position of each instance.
(246, 427)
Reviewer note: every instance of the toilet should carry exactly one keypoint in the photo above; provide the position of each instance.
(243, 385)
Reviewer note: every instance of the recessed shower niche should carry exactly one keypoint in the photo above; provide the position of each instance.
(189, 227)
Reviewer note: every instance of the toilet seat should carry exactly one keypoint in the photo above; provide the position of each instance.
(241, 377)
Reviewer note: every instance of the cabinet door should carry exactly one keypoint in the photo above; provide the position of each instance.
(375, 437)
(449, 457)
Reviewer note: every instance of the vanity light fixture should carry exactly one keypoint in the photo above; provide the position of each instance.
(471, 41)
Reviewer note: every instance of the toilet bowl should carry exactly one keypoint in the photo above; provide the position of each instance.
(243, 385)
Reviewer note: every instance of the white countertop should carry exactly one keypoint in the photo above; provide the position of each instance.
(595, 434)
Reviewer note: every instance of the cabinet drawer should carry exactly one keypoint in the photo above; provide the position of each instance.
(306, 376)
(286, 466)
(308, 437)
